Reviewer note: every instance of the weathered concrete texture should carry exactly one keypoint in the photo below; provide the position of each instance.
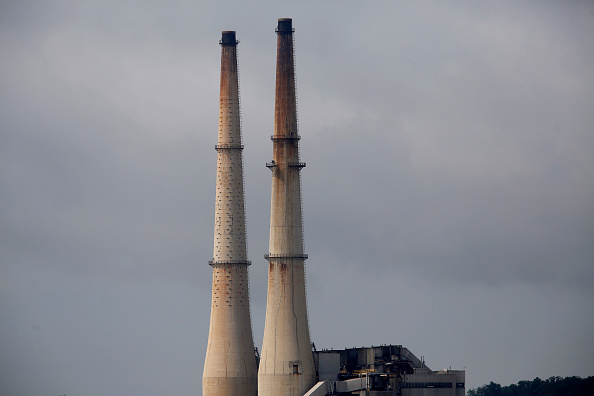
(230, 366)
(286, 362)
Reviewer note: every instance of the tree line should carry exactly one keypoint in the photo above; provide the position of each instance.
(554, 386)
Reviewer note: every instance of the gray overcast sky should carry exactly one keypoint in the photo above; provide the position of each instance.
(448, 193)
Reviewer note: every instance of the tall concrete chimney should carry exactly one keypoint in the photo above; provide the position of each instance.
(286, 363)
(230, 367)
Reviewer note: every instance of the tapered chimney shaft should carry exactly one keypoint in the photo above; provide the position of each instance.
(286, 364)
(230, 367)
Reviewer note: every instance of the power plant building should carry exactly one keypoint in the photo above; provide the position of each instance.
(387, 370)
(289, 364)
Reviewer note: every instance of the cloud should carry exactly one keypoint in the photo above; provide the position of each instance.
(447, 194)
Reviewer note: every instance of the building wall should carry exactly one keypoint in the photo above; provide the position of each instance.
(438, 383)
(329, 366)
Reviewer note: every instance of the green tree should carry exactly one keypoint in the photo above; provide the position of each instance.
(554, 386)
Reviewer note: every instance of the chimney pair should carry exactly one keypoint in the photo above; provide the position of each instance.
(286, 364)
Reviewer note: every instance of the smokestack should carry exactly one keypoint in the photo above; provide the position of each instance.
(230, 367)
(286, 363)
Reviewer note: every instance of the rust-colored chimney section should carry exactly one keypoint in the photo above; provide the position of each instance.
(286, 363)
(230, 367)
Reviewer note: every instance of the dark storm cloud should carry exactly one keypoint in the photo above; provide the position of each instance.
(447, 195)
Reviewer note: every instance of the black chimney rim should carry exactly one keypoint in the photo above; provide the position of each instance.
(228, 38)
(285, 25)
